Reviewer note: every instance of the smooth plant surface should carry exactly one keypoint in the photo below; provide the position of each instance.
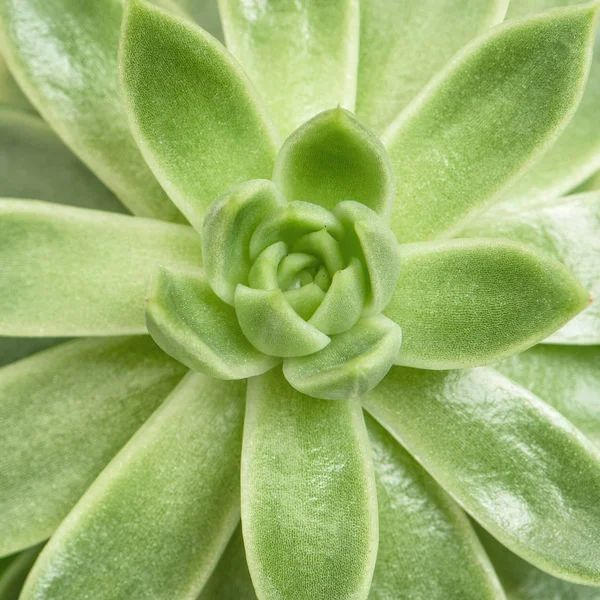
(297, 300)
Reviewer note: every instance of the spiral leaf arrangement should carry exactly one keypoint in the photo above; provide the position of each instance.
(293, 271)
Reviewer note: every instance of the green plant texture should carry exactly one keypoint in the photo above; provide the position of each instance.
(296, 300)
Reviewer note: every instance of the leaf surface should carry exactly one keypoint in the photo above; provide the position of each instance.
(463, 303)
(191, 108)
(404, 44)
(427, 548)
(64, 55)
(496, 107)
(309, 506)
(13, 572)
(65, 413)
(567, 229)
(301, 55)
(514, 463)
(156, 521)
(70, 271)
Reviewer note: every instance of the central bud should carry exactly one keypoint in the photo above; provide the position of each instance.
(296, 272)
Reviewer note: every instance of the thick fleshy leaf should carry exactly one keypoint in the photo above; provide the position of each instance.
(495, 108)
(566, 377)
(371, 239)
(11, 95)
(464, 303)
(351, 365)
(522, 581)
(13, 572)
(70, 271)
(189, 322)
(230, 579)
(403, 44)
(64, 55)
(228, 227)
(273, 326)
(333, 158)
(590, 185)
(290, 222)
(192, 110)
(65, 413)
(309, 505)
(343, 303)
(571, 160)
(427, 548)
(567, 229)
(514, 463)
(156, 521)
(263, 274)
(302, 56)
(35, 164)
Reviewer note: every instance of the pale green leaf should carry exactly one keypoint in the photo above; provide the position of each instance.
(590, 185)
(571, 160)
(189, 322)
(566, 377)
(63, 53)
(272, 326)
(11, 95)
(351, 365)
(404, 43)
(332, 158)
(514, 463)
(65, 413)
(567, 229)
(228, 228)
(368, 236)
(230, 579)
(471, 302)
(522, 581)
(191, 108)
(36, 165)
(70, 271)
(496, 107)
(427, 548)
(156, 521)
(13, 572)
(309, 506)
(302, 55)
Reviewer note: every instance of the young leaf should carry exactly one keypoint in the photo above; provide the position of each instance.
(192, 110)
(427, 548)
(515, 464)
(404, 44)
(70, 271)
(463, 303)
(302, 56)
(496, 107)
(309, 506)
(147, 532)
(333, 158)
(228, 228)
(571, 160)
(351, 365)
(189, 322)
(230, 579)
(35, 164)
(523, 581)
(567, 229)
(566, 377)
(77, 91)
(65, 413)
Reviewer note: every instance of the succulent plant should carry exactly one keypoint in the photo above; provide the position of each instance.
(332, 277)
